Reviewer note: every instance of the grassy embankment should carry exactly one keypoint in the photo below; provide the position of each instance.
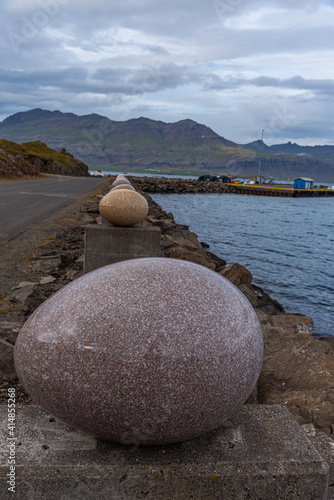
(30, 159)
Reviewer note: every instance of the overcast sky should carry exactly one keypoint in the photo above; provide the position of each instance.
(237, 66)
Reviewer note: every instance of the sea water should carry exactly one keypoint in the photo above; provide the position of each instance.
(286, 243)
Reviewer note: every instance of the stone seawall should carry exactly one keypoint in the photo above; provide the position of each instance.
(297, 369)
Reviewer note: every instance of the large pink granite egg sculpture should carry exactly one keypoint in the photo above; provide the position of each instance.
(145, 351)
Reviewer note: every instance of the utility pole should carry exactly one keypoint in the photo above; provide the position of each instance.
(260, 160)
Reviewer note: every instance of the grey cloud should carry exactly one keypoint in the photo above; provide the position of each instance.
(43, 78)
(297, 82)
(186, 23)
(233, 8)
(184, 18)
(104, 80)
(283, 120)
(82, 19)
(80, 57)
(117, 83)
(229, 44)
(325, 87)
(150, 78)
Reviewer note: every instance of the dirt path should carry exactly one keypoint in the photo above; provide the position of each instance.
(33, 266)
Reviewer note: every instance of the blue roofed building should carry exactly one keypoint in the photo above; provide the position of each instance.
(303, 183)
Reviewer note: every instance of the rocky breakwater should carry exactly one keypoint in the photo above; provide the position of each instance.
(178, 185)
(297, 370)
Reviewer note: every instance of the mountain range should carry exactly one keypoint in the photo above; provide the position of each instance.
(322, 153)
(142, 144)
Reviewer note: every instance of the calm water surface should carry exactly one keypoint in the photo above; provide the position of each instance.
(286, 243)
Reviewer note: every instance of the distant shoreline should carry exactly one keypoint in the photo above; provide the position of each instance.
(178, 185)
(184, 175)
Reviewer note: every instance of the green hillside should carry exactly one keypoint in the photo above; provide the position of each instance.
(34, 158)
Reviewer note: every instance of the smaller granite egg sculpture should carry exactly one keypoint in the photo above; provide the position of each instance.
(123, 186)
(123, 207)
(145, 351)
(118, 182)
(120, 176)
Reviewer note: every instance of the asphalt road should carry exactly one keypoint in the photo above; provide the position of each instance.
(26, 202)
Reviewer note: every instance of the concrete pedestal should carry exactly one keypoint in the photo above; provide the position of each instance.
(259, 453)
(106, 244)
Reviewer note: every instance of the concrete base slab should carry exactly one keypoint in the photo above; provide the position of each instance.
(325, 445)
(260, 453)
(106, 244)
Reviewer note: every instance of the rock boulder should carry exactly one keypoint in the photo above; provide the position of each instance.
(238, 275)
(297, 369)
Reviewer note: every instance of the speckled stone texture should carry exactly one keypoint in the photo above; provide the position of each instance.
(120, 181)
(145, 351)
(123, 207)
(123, 186)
